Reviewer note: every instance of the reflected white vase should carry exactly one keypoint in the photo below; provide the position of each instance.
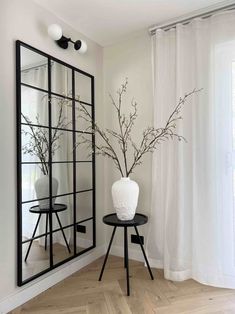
(42, 189)
(125, 194)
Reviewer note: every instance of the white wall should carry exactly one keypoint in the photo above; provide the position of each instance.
(130, 58)
(28, 22)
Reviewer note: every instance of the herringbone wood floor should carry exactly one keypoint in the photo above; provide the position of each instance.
(83, 293)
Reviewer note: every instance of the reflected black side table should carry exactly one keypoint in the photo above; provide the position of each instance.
(138, 220)
(37, 210)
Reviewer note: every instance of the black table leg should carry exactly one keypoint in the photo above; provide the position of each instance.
(126, 260)
(145, 257)
(107, 254)
(61, 228)
(31, 242)
(46, 231)
(124, 249)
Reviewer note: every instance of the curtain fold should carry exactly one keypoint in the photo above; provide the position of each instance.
(192, 190)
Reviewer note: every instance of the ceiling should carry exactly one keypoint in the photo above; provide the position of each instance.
(108, 21)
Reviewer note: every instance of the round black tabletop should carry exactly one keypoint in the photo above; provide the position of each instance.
(113, 220)
(56, 208)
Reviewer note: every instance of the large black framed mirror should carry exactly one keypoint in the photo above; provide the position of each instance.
(55, 175)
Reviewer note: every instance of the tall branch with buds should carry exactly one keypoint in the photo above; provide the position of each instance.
(151, 137)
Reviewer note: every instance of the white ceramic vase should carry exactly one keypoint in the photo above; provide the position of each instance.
(125, 193)
(42, 189)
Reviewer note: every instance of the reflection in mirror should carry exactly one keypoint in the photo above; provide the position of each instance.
(31, 216)
(63, 174)
(34, 69)
(61, 79)
(34, 106)
(83, 87)
(29, 222)
(35, 254)
(84, 205)
(61, 113)
(38, 260)
(84, 235)
(35, 145)
(84, 176)
(82, 123)
(50, 163)
(63, 244)
(64, 151)
(65, 213)
(83, 148)
(31, 173)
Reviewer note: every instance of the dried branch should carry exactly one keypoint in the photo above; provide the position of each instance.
(151, 137)
(39, 144)
(107, 150)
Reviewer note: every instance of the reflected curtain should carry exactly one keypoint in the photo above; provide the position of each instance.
(31, 100)
(61, 78)
(191, 231)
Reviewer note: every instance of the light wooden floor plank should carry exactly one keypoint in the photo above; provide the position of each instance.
(82, 293)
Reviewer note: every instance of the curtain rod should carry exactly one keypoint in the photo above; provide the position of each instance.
(185, 21)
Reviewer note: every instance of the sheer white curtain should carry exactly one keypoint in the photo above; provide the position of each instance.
(192, 223)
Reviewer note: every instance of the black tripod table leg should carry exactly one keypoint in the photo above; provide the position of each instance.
(61, 228)
(107, 254)
(31, 242)
(46, 231)
(126, 260)
(124, 248)
(145, 257)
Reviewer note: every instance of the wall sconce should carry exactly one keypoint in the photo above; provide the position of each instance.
(55, 32)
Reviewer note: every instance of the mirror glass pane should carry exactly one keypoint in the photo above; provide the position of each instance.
(83, 176)
(31, 213)
(63, 211)
(63, 175)
(31, 178)
(34, 69)
(83, 87)
(61, 79)
(84, 205)
(34, 106)
(63, 245)
(35, 146)
(38, 258)
(83, 117)
(83, 147)
(84, 240)
(61, 113)
(63, 146)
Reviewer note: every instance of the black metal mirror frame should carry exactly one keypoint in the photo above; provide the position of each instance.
(75, 223)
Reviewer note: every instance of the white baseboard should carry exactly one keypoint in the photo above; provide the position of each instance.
(84, 243)
(31, 290)
(155, 263)
(136, 255)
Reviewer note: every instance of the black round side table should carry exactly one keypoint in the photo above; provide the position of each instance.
(138, 220)
(37, 210)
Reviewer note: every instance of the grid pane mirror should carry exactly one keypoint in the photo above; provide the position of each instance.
(56, 174)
